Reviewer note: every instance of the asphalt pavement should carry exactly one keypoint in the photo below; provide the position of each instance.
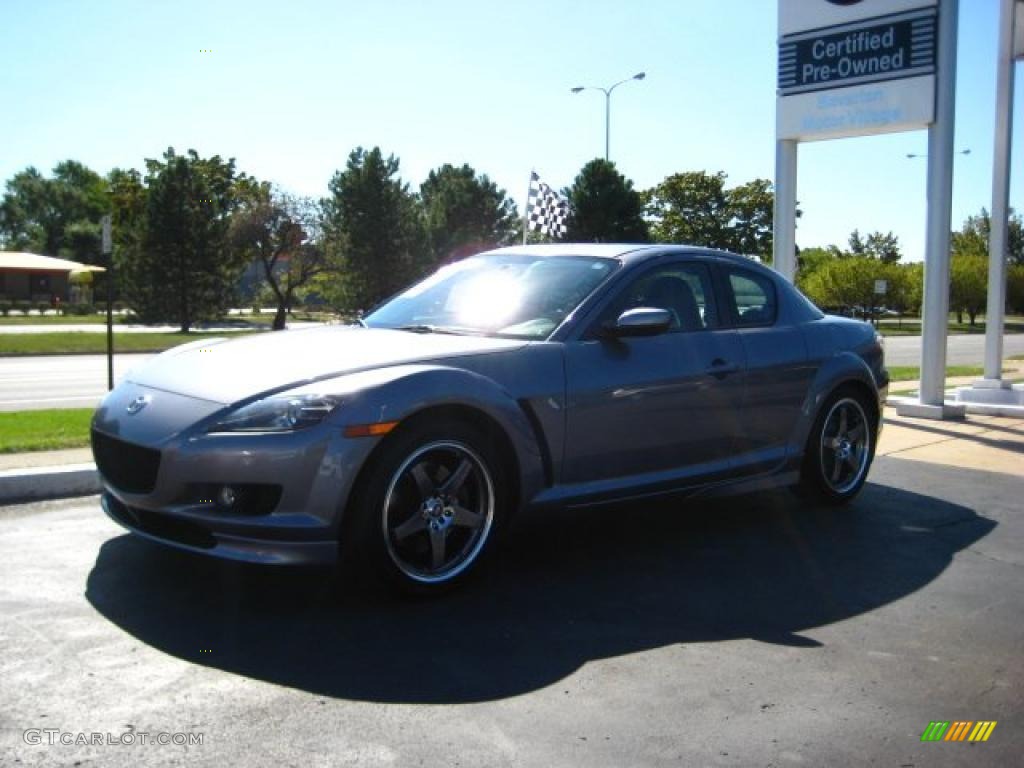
(754, 631)
(60, 381)
(961, 349)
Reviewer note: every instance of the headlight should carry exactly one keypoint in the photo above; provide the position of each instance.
(284, 413)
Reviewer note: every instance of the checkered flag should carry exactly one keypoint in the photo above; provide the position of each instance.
(546, 210)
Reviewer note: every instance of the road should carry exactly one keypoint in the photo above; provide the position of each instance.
(79, 381)
(961, 349)
(753, 632)
(61, 381)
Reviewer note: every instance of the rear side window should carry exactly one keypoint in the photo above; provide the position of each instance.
(753, 298)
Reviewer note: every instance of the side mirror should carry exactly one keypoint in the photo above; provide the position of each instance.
(641, 321)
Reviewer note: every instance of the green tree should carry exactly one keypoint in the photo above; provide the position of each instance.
(968, 285)
(696, 208)
(465, 213)
(184, 269)
(809, 260)
(884, 247)
(281, 233)
(973, 237)
(604, 207)
(59, 216)
(848, 282)
(375, 223)
(690, 207)
(751, 206)
(1015, 288)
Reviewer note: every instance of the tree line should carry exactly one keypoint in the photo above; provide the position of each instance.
(836, 278)
(187, 228)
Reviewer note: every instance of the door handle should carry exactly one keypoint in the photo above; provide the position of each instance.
(720, 368)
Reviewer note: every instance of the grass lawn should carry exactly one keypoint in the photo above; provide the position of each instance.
(911, 326)
(44, 430)
(263, 319)
(912, 372)
(84, 343)
(59, 320)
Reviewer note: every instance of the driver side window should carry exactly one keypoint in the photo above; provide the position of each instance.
(684, 289)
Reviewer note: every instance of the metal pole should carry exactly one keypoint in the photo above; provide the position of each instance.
(998, 231)
(935, 314)
(607, 123)
(107, 248)
(784, 251)
(526, 208)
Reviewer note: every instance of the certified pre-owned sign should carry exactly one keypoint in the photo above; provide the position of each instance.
(882, 48)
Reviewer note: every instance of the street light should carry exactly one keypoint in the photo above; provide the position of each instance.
(608, 103)
(911, 155)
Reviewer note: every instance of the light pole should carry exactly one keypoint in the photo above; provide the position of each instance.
(912, 155)
(608, 104)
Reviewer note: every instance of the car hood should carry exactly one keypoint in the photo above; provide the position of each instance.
(228, 371)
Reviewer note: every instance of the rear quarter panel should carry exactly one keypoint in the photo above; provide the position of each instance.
(844, 351)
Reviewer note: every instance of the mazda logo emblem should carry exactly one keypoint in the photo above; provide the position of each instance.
(138, 404)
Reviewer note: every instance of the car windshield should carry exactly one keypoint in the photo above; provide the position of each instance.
(510, 295)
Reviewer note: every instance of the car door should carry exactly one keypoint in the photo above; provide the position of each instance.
(777, 369)
(665, 404)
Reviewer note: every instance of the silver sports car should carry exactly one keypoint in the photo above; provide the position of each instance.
(519, 379)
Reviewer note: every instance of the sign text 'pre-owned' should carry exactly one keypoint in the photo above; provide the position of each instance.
(884, 48)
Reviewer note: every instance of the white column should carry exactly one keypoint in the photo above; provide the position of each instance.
(994, 315)
(935, 312)
(784, 238)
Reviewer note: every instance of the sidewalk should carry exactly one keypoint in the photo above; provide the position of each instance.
(989, 443)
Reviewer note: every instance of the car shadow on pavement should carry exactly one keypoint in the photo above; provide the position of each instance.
(570, 587)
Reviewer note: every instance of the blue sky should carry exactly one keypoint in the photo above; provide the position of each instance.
(289, 89)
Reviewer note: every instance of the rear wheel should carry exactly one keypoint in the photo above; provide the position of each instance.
(430, 508)
(840, 448)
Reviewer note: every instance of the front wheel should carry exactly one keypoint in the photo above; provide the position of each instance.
(839, 449)
(430, 508)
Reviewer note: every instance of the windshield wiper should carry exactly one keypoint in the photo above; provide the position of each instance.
(424, 328)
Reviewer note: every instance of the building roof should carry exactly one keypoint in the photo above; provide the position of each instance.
(33, 261)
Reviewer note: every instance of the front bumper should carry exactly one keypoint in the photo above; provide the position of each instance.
(161, 472)
(192, 536)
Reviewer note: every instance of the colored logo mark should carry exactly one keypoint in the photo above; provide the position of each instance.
(958, 730)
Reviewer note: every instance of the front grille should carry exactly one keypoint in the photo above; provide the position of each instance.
(130, 468)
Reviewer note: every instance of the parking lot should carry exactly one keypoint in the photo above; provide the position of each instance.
(754, 631)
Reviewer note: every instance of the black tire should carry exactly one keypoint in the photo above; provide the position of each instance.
(840, 448)
(414, 522)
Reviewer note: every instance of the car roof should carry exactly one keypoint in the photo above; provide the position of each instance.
(633, 251)
(600, 250)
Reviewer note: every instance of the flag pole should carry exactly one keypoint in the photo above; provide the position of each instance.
(526, 208)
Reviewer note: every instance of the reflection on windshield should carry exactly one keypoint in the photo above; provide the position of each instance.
(508, 295)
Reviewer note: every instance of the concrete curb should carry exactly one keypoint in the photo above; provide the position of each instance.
(38, 483)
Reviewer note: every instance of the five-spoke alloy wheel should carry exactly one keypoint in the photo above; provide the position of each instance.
(438, 511)
(430, 508)
(840, 448)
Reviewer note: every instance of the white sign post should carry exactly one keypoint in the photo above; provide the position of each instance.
(992, 392)
(861, 68)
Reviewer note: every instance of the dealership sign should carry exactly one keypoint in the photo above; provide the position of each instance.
(855, 68)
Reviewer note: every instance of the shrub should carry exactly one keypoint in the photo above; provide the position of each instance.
(5, 307)
(23, 306)
(42, 306)
(80, 309)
